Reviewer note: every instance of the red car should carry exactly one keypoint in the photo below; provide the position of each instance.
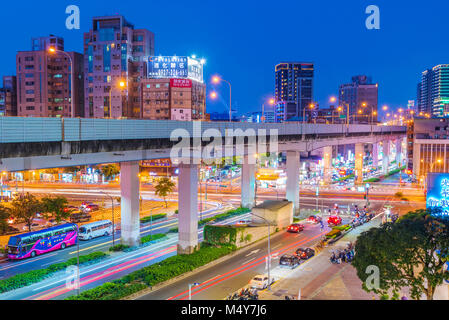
(334, 221)
(314, 219)
(295, 228)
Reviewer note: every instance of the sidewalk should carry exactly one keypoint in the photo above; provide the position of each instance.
(318, 279)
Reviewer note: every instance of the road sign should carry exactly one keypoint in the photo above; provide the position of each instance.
(342, 116)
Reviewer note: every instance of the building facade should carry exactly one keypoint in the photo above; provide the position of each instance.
(433, 91)
(8, 97)
(173, 99)
(428, 144)
(114, 52)
(294, 88)
(44, 80)
(361, 96)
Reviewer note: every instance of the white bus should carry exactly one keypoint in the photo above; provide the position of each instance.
(95, 230)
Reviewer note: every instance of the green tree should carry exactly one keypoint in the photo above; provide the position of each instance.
(55, 206)
(163, 188)
(110, 170)
(24, 209)
(408, 254)
(5, 213)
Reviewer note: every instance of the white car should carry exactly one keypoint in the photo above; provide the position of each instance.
(259, 282)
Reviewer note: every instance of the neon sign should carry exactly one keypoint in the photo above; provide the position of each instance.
(438, 192)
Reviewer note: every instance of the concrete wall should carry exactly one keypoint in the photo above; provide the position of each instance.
(281, 217)
(253, 234)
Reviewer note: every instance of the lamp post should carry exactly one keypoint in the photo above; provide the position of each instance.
(217, 80)
(113, 219)
(192, 285)
(269, 249)
(271, 102)
(151, 220)
(53, 50)
(311, 107)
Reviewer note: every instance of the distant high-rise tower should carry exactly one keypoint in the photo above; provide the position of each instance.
(294, 88)
(433, 91)
(361, 95)
(8, 97)
(114, 52)
(44, 87)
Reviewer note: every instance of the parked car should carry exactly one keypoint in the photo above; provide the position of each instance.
(334, 221)
(314, 219)
(70, 208)
(259, 282)
(305, 254)
(295, 228)
(289, 261)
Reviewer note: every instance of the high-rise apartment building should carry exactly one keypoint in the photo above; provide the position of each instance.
(294, 88)
(44, 80)
(361, 95)
(433, 91)
(8, 97)
(115, 51)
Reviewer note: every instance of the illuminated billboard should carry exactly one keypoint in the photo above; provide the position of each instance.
(168, 67)
(175, 67)
(438, 192)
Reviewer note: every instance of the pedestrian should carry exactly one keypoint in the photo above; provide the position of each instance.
(321, 224)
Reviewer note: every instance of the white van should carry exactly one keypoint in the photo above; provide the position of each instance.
(95, 230)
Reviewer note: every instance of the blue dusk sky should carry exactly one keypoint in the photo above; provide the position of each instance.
(244, 40)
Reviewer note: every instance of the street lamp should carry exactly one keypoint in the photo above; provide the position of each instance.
(121, 85)
(151, 220)
(192, 285)
(53, 50)
(311, 107)
(271, 102)
(113, 220)
(269, 248)
(217, 80)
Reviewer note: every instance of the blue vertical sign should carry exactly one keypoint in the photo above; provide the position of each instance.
(438, 192)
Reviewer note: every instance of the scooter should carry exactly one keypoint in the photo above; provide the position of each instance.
(334, 259)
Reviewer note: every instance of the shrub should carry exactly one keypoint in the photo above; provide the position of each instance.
(118, 247)
(155, 217)
(153, 237)
(154, 274)
(34, 276)
(173, 230)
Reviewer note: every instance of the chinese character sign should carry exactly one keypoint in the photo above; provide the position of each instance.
(438, 192)
(168, 67)
(180, 83)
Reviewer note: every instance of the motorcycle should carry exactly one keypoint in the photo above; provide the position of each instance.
(335, 259)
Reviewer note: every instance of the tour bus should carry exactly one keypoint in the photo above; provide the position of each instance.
(95, 230)
(43, 241)
(79, 216)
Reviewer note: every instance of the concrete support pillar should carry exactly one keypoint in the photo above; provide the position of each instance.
(417, 160)
(375, 155)
(293, 162)
(327, 163)
(385, 156)
(359, 153)
(130, 204)
(399, 157)
(188, 208)
(248, 183)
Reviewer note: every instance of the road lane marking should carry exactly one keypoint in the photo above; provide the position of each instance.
(28, 261)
